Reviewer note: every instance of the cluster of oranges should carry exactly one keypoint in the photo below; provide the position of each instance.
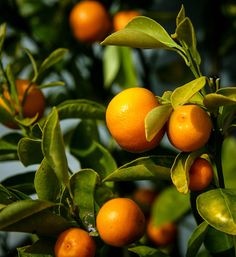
(91, 22)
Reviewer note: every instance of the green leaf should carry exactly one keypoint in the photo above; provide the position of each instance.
(156, 119)
(143, 168)
(90, 153)
(169, 206)
(227, 91)
(3, 29)
(5, 116)
(111, 64)
(29, 151)
(34, 65)
(197, 239)
(183, 94)
(181, 15)
(218, 208)
(8, 143)
(81, 109)
(53, 147)
(213, 100)
(7, 196)
(11, 80)
(20, 210)
(147, 251)
(142, 32)
(52, 59)
(51, 84)
(82, 186)
(46, 183)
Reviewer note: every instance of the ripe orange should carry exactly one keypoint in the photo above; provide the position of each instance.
(121, 18)
(200, 174)
(125, 117)
(89, 21)
(161, 235)
(120, 222)
(189, 128)
(32, 101)
(75, 242)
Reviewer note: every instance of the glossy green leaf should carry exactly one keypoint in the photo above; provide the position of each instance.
(42, 223)
(181, 15)
(218, 208)
(217, 242)
(52, 59)
(147, 251)
(46, 183)
(111, 64)
(213, 100)
(169, 206)
(82, 186)
(27, 122)
(84, 145)
(53, 147)
(196, 240)
(3, 29)
(23, 182)
(142, 32)
(143, 168)
(29, 151)
(156, 119)
(81, 109)
(183, 94)
(20, 210)
(33, 63)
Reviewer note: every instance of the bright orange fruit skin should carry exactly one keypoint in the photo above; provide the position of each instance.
(75, 242)
(122, 18)
(120, 222)
(200, 174)
(161, 235)
(189, 128)
(89, 21)
(125, 116)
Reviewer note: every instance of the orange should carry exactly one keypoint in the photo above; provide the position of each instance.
(122, 18)
(75, 242)
(189, 128)
(120, 222)
(32, 100)
(125, 116)
(200, 174)
(161, 235)
(89, 21)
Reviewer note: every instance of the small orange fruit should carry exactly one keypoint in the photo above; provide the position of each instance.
(200, 174)
(120, 222)
(122, 18)
(125, 116)
(32, 100)
(89, 21)
(75, 242)
(161, 235)
(189, 128)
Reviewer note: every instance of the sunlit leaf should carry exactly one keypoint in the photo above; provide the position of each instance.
(181, 15)
(156, 119)
(183, 94)
(169, 206)
(147, 251)
(213, 100)
(143, 168)
(218, 208)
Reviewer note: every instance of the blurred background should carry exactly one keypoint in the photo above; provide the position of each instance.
(42, 26)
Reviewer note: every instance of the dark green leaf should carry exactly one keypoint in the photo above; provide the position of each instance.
(7, 196)
(183, 94)
(156, 119)
(147, 251)
(169, 206)
(8, 143)
(33, 63)
(3, 29)
(29, 151)
(53, 147)
(82, 186)
(52, 59)
(143, 168)
(46, 183)
(196, 239)
(11, 80)
(81, 109)
(218, 208)
(142, 32)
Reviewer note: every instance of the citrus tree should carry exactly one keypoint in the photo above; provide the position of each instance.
(90, 210)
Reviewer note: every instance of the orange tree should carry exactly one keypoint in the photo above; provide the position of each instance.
(66, 198)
